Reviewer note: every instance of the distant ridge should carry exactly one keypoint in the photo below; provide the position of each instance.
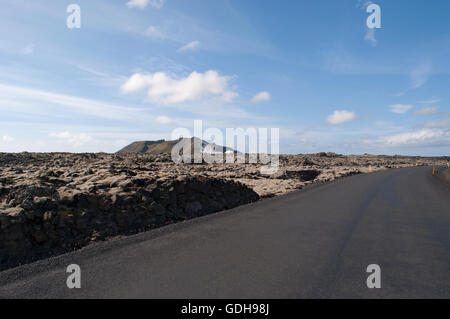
(165, 147)
(139, 147)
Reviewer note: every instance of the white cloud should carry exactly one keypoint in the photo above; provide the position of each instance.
(419, 76)
(191, 46)
(165, 89)
(75, 140)
(154, 32)
(164, 120)
(400, 108)
(261, 97)
(426, 110)
(340, 117)
(421, 136)
(7, 139)
(141, 4)
(370, 37)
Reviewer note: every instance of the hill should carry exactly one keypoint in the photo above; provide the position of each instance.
(165, 147)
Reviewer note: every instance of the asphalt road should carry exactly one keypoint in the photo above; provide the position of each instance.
(315, 243)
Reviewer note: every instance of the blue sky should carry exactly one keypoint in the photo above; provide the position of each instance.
(138, 69)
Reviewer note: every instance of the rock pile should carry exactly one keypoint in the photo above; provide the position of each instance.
(46, 221)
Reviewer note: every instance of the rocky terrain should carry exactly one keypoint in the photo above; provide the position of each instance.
(55, 203)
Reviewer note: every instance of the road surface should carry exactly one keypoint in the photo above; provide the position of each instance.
(315, 243)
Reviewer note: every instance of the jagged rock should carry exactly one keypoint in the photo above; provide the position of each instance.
(70, 218)
(38, 236)
(193, 208)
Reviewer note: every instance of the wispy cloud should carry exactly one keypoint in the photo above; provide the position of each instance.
(398, 94)
(430, 101)
(28, 49)
(420, 75)
(422, 136)
(191, 46)
(340, 117)
(100, 77)
(400, 108)
(7, 139)
(263, 96)
(81, 105)
(426, 110)
(75, 140)
(363, 4)
(141, 4)
(164, 120)
(339, 61)
(154, 32)
(445, 124)
(370, 37)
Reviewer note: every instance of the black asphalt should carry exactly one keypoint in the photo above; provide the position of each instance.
(315, 243)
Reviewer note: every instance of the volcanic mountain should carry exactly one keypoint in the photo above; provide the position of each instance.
(165, 147)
